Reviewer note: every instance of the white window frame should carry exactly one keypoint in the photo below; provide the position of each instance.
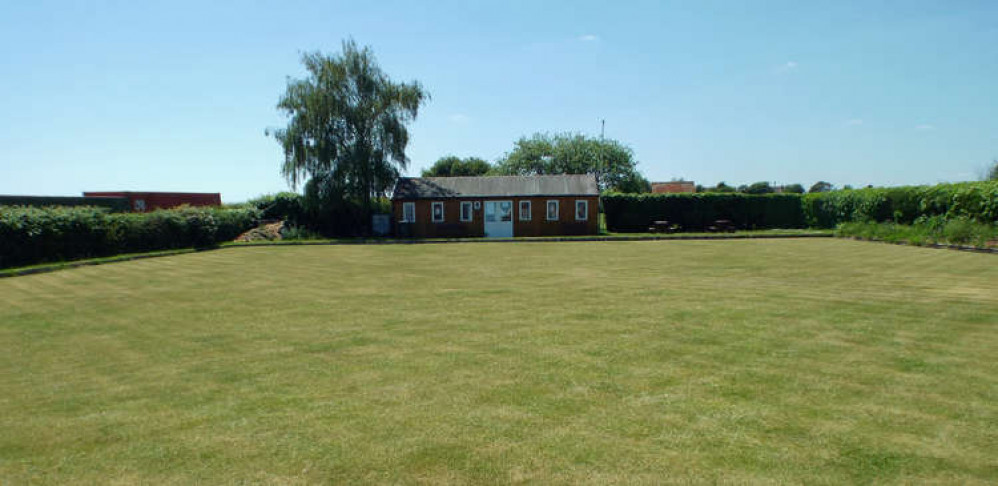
(471, 212)
(410, 212)
(557, 210)
(525, 215)
(586, 205)
(433, 212)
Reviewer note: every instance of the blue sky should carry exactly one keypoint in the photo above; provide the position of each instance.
(176, 96)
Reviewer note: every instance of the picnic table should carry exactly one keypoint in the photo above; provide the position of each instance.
(720, 225)
(662, 227)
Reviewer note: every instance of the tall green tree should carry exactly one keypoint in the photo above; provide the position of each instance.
(720, 187)
(793, 189)
(634, 183)
(454, 166)
(347, 124)
(758, 188)
(992, 174)
(821, 186)
(611, 162)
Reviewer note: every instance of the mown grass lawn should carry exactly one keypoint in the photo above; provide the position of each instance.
(800, 361)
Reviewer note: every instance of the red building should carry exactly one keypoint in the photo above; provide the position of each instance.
(673, 187)
(147, 201)
(496, 206)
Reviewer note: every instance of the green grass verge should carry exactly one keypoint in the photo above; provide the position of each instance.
(601, 236)
(805, 361)
(765, 232)
(957, 231)
(51, 266)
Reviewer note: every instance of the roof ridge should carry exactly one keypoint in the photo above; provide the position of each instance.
(501, 185)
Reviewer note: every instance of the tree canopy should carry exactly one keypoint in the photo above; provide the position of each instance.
(611, 162)
(454, 166)
(992, 174)
(821, 186)
(793, 189)
(720, 187)
(347, 124)
(757, 188)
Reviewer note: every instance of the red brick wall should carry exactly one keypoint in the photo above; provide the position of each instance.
(672, 187)
(163, 200)
(453, 227)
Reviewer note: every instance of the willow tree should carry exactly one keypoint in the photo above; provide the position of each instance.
(347, 124)
(454, 166)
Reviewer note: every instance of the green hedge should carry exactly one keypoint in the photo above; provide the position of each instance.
(692, 212)
(285, 206)
(116, 204)
(30, 235)
(327, 214)
(906, 204)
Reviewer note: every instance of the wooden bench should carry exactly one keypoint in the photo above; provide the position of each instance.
(722, 225)
(662, 227)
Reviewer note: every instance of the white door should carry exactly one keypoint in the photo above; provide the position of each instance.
(499, 219)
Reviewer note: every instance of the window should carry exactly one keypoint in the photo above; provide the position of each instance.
(466, 214)
(437, 212)
(140, 204)
(581, 210)
(490, 212)
(524, 210)
(506, 211)
(553, 210)
(408, 212)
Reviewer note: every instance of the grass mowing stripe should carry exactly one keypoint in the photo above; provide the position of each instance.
(736, 361)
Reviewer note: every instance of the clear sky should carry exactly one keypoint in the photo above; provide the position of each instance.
(175, 96)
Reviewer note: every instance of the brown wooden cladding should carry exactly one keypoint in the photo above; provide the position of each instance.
(538, 225)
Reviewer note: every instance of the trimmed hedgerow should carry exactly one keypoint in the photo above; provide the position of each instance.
(977, 201)
(692, 212)
(115, 204)
(31, 235)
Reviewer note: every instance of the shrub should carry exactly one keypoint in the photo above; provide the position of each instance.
(925, 231)
(974, 200)
(959, 230)
(322, 210)
(38, 234)
(299, 233)
(284, 206)
(634, 212)
(117, 204)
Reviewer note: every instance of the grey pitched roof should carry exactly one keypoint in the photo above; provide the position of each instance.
(487, 186)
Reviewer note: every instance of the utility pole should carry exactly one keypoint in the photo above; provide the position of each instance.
(599, 166)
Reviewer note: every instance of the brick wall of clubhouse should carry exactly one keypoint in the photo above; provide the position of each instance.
(538, 225)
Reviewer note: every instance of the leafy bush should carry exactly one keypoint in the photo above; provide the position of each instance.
(117, 204)
(284, 206)
(299, 233)
(959, 231)
(925, 231)
(38, 234)
(634, 212)
(977, 201)
(322, 210)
